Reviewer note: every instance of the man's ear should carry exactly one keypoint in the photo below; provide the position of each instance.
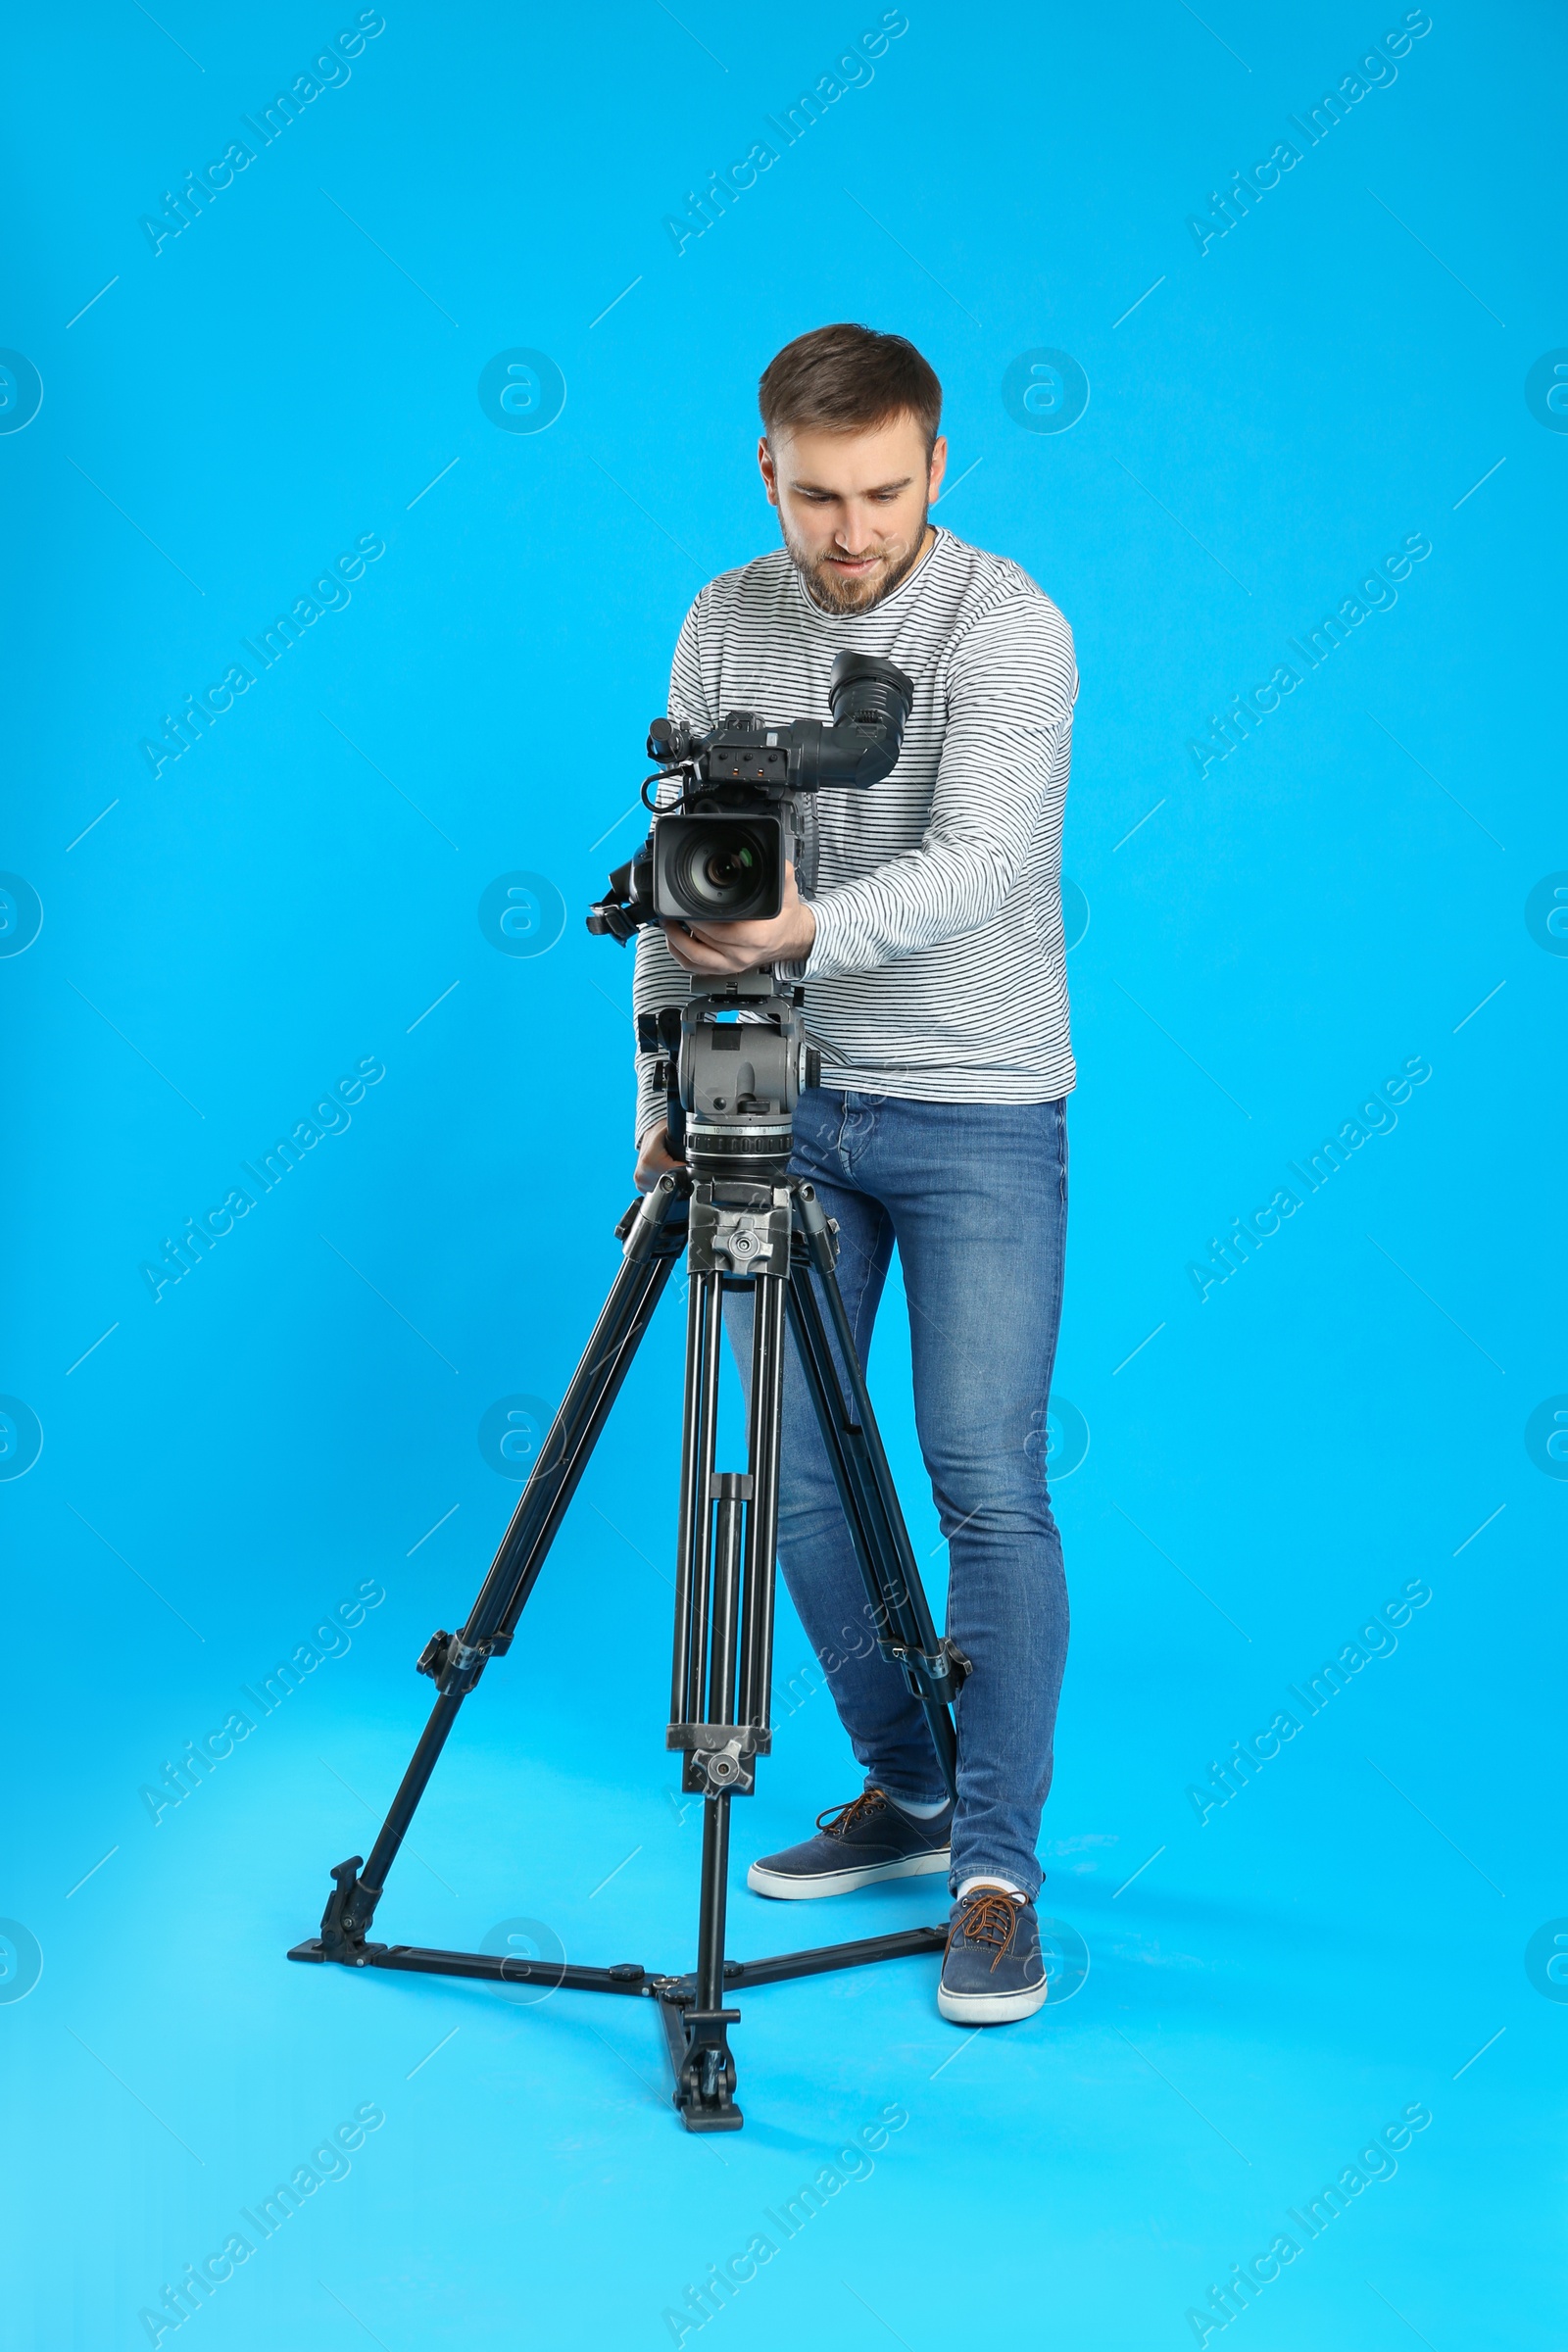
(939, 466)
(765, 459)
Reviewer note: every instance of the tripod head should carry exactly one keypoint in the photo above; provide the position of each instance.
(733, 1060)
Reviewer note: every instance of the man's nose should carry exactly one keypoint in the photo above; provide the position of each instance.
(855, 534)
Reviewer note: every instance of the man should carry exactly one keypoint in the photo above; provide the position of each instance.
(927, 925)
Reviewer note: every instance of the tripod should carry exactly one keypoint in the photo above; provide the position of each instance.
(747, 1225)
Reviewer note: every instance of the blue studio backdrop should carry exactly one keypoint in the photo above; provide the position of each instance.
(377, 392)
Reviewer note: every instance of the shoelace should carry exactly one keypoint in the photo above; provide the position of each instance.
(838, 1820)
(989, 1917)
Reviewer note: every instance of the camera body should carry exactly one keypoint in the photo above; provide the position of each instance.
(721, 855)
(718, 851)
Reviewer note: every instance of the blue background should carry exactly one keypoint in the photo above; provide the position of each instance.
(1266, 942)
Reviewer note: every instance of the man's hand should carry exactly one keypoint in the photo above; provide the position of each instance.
(653, 1158)
(741, 947)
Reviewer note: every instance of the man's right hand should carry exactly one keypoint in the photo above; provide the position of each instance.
(654, 1160)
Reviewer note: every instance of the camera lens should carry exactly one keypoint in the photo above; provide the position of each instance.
(720, 869)
(728, 870)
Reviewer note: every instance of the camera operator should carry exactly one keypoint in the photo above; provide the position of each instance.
(925, 923)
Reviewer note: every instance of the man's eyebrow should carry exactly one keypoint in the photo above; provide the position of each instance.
(877, 489)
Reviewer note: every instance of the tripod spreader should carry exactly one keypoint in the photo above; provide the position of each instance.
(760, 1231)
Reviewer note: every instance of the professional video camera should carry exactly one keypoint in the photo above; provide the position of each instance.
(717, 851)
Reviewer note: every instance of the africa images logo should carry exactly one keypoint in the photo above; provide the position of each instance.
(20, 391)
(522, 390)
(1044, 391)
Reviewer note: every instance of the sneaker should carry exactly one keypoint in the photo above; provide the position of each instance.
(991, 1971)
(857, 1844)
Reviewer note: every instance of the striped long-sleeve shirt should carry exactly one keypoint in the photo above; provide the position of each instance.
(938, 970)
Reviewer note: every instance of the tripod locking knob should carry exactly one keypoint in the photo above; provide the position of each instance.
(432, 1658)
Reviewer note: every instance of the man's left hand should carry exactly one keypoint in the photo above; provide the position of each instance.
(741, 947)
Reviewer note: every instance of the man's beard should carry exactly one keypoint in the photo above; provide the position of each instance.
(834, 594)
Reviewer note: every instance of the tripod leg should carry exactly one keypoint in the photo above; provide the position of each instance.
(739, 1665)
(699, 1432)
(772, 1298)
(705, 2087)
(455, 1662)
(901, 1612)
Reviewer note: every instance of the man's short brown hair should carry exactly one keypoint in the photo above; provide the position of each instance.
(849, 380)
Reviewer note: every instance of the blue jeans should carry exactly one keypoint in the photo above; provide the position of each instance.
(975, 1194)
